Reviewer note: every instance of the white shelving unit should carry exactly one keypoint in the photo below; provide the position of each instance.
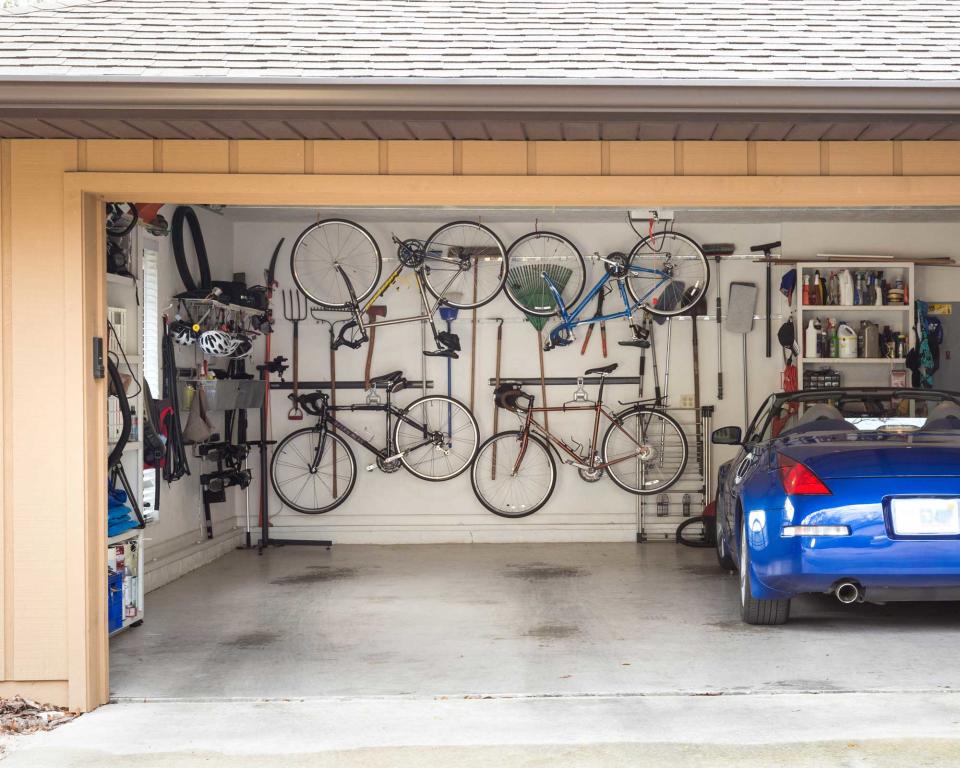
(859, 371)
(122, 294)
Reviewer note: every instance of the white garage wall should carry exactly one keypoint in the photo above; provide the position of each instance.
(400, 508)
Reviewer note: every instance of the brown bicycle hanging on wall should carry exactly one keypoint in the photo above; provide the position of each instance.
(643, 450)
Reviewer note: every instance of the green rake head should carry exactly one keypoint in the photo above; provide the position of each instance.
(528, 287)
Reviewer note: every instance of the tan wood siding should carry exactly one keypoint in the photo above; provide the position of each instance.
(50, 299)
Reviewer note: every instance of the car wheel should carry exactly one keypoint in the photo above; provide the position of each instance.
(723, 556)
(753, 611)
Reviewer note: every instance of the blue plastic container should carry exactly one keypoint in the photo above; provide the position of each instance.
(114, 600)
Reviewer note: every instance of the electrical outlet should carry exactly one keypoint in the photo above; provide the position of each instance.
(686, 401)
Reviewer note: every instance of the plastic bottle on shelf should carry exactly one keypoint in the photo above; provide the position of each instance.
(846, 288)
(806, 290)
(811, 338)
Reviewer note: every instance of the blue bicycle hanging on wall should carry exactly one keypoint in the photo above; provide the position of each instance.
(665, 274)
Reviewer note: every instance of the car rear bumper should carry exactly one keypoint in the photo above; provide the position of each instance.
(886, 567)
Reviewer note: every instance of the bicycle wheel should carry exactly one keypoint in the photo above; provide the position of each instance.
(465, 264)
(437, 437)
(533, 255)
(510, 494)
(668, 273)
(306, 492)
(327, 245)
(645, 449)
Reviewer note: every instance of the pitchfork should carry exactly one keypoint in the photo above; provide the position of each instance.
(295, 312)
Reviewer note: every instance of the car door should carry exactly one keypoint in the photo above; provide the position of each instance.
(734, 472)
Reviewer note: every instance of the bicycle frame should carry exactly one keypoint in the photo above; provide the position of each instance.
(326, 422)
(530, 423)
(572, 319)
(428, 311)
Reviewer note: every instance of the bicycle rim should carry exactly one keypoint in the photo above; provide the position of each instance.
(505, 493)
(646, 451)
(537, 253)
(437, 437)
(682, 273)
(312, 494)
(325, 248)
(465, 264)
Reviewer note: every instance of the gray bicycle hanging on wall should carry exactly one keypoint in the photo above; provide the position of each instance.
(337, 264)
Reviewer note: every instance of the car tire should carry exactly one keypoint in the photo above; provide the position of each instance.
(753, 611)
(723, 556)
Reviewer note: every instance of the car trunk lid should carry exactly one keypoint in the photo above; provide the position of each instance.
(873, 454)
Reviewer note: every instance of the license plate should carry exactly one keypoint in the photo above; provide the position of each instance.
(925, 517)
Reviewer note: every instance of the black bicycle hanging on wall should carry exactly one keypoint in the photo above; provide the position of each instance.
(337, 264)
(314, 469)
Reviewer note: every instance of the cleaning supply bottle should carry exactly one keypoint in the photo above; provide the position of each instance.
(806, 289)
(834, 339)
(846, 288)
(811, 336)
(847, 341)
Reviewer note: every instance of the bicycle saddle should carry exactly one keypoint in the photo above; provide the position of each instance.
(387, 378)
(602, 371)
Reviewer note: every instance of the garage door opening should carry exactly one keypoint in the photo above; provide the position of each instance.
(425, 590)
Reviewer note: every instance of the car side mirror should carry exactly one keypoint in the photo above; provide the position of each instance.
(727, 436)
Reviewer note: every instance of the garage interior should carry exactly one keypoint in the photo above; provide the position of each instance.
(424, 591)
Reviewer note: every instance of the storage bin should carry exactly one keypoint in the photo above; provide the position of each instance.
(114, 601)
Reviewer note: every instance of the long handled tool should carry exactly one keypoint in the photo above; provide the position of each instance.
(448, 314)
(603, 326)
(496, 408)
(740, 308)
(373, 312)
(767, 249)
(296, 312)
(717, 250)
(700, 308)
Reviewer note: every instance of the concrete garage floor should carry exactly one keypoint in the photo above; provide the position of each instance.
(527, 620)
(533, 655)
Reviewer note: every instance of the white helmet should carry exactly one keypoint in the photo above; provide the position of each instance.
(182, 333)
(243, 347)
(217, 343)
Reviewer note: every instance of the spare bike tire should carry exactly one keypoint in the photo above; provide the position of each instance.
(184, 213)
(116, 385)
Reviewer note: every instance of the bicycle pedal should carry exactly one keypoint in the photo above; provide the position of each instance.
(371, 467)
(441, 353)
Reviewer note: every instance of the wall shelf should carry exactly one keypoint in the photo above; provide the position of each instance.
(828, 361)
(826, 308)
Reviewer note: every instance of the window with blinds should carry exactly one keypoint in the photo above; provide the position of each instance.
(151, 359)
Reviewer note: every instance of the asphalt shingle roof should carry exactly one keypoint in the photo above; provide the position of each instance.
(489, 40)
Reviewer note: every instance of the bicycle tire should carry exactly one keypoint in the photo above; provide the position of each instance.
(690, 299)
(135, 217)
(493, 284)
(181, 214)
(480, 465)
(576, 280)
(363, 277)
(615, 429)
(116, 383)
(279, 452)
(441, 400)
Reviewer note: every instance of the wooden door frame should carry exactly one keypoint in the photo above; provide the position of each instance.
(85, 306)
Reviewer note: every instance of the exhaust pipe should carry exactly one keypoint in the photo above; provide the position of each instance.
(847, 592)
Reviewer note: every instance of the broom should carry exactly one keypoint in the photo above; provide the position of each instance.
(531, 291)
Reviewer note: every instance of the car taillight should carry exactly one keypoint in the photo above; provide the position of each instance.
(799, 480)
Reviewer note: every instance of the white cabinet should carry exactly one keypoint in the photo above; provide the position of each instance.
(897, 317)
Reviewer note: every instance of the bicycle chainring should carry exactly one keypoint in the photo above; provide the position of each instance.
(388, 467)
(616, 265)
(411, 253)
(590, 475)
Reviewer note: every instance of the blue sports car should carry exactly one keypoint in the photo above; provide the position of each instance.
(850, 492)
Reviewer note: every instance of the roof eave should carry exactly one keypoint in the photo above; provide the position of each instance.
(26, 92)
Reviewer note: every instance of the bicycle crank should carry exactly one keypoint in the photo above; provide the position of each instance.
(590, 474)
